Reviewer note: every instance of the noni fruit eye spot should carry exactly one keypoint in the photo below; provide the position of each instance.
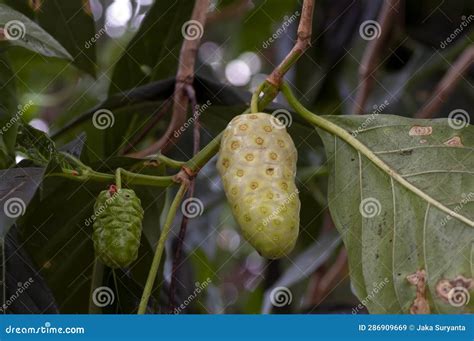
(117, 227)
(257, 163)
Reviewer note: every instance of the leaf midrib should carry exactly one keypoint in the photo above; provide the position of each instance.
(343, 134)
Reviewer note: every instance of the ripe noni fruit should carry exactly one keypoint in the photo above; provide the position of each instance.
(257, 163)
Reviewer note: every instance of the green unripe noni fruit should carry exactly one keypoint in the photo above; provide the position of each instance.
(257, 163)
(117, 227)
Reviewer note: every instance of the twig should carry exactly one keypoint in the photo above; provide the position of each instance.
(184, 222)
(159, 249)
(372, 53)
(184, 77)
(447, 84)
(303, 41)
(271, 87)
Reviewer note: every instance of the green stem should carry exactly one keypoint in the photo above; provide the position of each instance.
(169, 162)
(258, 103)
(147, 180)
(201, 158)
(118, 178)
(159, 249)
(92, 176)
(362, 149)
(85, 173)
(255, 98)
(114, 275)
(130, 177)
(97, 278)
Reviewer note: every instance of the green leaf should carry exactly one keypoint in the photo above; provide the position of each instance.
(35, 145)
(17, 188)
(152, 53)
(19, 30)
(61, 19)
(9, 114)
(401, 192)
(72, 25)
(39, 149)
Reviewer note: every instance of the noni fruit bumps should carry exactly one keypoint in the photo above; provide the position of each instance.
(117, 227)
(257, 163)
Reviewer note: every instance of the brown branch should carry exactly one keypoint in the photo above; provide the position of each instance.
(184, 77)
(190, 93)
(447, 84)
(368, 66)
(303, 41)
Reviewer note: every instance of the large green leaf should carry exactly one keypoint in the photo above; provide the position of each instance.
(19, 30)
(401, 192)
(72, 25)
(153, 52)
(62, 19)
